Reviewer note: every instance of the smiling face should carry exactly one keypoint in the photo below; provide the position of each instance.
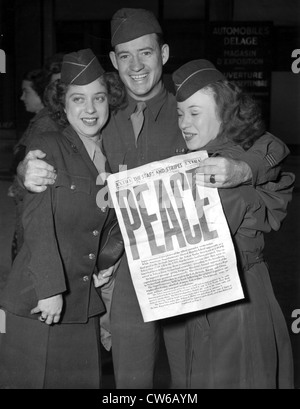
(140, 63)
(87, 108)
(198, 119)
(32, 101)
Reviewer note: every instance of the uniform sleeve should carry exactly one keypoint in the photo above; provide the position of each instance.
(41, 126)
(234, 206)
(265, 159)
(276, 197)
(45, 263)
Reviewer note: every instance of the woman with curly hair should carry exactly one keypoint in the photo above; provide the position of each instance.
(245, 344)
(71, 246)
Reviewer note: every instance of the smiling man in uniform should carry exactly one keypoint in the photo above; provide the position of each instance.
(144, 131)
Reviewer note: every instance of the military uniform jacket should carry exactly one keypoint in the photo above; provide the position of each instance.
(161, 138)
(63, 233)
(244, 345)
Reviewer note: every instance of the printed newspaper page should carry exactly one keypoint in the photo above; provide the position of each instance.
(177, 240)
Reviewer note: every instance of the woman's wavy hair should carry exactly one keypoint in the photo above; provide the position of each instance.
(239, 113)
(55, 96)
(53, 64)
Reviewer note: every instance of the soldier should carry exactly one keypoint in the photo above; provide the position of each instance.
(146, 130)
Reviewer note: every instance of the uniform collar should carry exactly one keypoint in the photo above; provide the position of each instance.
(41, 114)
(75, 142)
(90, 145)
(154, 104)
(79, 142)
(78, 146)
(220, 144)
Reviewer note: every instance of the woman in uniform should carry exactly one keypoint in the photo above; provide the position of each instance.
(245, 344)
(70, 244)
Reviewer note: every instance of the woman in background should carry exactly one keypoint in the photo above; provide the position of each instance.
(34, 85)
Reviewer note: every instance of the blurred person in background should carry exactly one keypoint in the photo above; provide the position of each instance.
(34, 85)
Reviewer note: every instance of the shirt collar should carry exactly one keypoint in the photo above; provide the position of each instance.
(44, 112)
(154, 104)
(90, 145)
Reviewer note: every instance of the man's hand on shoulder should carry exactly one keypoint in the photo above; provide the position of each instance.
(223, 173)
(36, 174)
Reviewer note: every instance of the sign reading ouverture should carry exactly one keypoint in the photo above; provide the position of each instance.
(177, 240)
(243, 52)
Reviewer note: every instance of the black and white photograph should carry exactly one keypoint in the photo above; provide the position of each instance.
(149, 197)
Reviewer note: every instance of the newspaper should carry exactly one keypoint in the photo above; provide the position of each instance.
(177, 240)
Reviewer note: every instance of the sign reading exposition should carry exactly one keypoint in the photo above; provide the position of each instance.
(177, 240)
(243, 52)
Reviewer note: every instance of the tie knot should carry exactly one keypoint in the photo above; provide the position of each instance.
(140, 107)
(137, 119)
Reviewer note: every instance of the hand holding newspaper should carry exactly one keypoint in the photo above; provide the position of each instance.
(177, 240)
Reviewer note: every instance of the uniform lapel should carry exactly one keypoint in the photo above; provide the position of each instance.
(78, 149)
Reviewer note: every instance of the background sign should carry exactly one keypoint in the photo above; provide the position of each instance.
(243, 52)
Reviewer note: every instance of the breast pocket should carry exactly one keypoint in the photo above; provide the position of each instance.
(76, 184)
(71, 191)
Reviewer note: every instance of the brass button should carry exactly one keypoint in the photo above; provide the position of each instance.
(103, 209)
(86, 279)
(92, 256)
(73, 187)
(96, 233)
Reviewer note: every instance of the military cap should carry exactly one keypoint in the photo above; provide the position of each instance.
(194, 76)
(80, 68)
(128, 24)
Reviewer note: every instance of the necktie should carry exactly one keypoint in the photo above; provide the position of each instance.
(137, 119)
(99, 159)
(94, 149)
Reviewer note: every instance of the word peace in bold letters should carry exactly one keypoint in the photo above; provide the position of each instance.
(135, 213)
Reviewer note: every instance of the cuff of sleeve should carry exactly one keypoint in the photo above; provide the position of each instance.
(44, 293)
(47, 286)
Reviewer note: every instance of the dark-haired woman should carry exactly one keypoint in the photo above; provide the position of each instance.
(243, 345)
(33, 87)
(70, 245)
